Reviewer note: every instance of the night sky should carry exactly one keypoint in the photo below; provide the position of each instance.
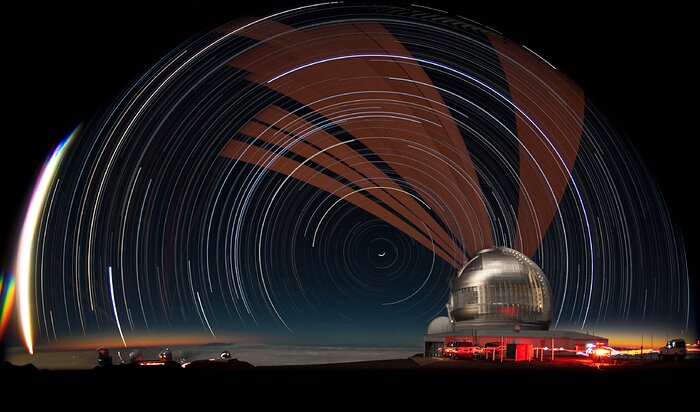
(357, 284)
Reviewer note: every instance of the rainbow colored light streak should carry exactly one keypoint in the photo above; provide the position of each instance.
(24, 261)
(7, 295)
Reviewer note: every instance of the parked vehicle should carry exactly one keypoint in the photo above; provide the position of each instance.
(460, 349)
(674, 349)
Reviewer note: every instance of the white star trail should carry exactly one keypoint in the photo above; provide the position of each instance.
(114, 306)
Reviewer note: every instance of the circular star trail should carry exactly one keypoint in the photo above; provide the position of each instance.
(325, 170)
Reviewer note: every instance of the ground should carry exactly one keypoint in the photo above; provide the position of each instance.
(572, 375)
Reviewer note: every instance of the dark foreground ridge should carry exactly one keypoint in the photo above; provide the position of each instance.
(372, 375)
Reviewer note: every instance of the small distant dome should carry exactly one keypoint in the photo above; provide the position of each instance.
(166, 355)
(440, 324)
(135, 356)
(102, 353)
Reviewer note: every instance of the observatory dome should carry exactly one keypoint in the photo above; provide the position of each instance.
(441, 324)
(500, 288)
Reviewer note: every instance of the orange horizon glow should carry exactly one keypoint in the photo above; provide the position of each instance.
(648, 339)
(626, 340)
(145, 341)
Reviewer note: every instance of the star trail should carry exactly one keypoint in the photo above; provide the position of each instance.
(325, 170)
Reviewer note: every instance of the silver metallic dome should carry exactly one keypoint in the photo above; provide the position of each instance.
(500, 288)
(441, 324)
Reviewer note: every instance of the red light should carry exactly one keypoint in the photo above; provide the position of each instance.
(601, 352)
(508, 310)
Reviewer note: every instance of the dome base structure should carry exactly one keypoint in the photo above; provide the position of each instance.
(501, 298)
